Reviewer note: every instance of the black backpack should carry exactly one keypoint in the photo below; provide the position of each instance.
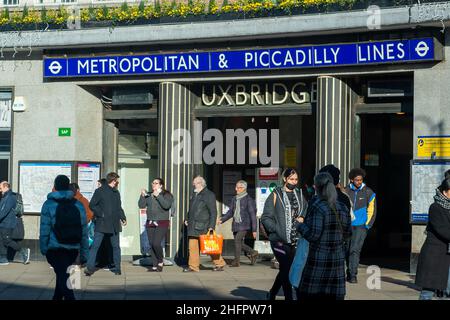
(67, 226)
(19, 210)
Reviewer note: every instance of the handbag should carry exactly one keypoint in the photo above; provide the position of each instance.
(211, 243)
(301, 255)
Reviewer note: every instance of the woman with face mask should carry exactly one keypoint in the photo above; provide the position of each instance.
(281, 210)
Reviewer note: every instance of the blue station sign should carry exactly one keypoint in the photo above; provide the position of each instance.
(347, 54)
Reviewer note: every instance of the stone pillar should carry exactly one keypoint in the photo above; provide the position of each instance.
(110, 148)
(335, 124)
(176, 104)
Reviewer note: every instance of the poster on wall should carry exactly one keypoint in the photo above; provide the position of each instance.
(426, 176)
(5, 114)
(36, 180)
(290, 157)
(267, 179)
(230, 177)
(88, 175)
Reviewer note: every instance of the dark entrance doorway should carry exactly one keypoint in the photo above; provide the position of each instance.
(386, 151)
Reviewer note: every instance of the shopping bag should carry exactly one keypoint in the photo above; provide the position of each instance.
(211, 243)
(301, 255)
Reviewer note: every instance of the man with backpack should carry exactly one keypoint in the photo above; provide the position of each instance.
(63, 234)
(9, 212)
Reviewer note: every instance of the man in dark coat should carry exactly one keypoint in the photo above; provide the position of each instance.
(201, 219)
(109, 218)
(8, 222)
(243, 211)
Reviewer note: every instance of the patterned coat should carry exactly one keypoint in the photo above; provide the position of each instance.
(324, 272)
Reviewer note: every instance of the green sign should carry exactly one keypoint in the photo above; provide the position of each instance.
(64, 132)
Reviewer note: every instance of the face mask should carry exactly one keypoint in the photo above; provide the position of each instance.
(291, 186)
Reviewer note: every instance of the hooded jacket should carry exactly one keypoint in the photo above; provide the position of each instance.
(47, 238)
(364, 205)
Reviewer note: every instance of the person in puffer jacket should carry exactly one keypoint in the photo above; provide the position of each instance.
(364, 210)
(61, 256)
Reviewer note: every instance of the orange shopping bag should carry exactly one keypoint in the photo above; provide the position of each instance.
(211, 243)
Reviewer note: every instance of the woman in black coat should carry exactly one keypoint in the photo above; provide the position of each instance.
(281, 210)
(433, 267)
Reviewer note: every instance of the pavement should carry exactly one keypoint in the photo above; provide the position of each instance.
(36, 281)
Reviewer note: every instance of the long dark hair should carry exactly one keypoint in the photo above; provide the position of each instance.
(325, 188)
(289, 172)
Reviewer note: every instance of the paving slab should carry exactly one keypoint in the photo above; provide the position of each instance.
(36, 282)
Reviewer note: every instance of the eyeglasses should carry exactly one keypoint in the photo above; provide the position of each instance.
(155, 182)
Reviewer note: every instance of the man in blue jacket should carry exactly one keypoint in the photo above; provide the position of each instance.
(364, 210)
(62, 255)
(8, 222)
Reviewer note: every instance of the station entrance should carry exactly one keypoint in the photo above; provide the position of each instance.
(386, 152)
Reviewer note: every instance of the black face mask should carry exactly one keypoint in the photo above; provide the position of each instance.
(291, 186)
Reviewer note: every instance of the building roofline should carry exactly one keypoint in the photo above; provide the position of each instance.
(433, 14)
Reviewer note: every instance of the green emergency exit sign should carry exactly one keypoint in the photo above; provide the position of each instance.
(64, 132)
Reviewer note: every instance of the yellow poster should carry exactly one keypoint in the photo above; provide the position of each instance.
(290, 157)
(430, 147)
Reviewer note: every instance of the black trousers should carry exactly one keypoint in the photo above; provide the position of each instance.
(61, 260)
(239, 245)
(6, 242)
(155, 237)
(285, 254)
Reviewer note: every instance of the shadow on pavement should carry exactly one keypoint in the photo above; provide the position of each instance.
(407, 284)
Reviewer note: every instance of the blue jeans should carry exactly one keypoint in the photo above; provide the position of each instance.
(448, 284)
(426, 294)
(354, 248)
(98, 238)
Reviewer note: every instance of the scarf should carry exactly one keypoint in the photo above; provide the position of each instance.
(442, 200)
(288, 212)
(237, 211)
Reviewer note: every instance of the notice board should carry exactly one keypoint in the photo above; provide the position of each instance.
(36, 180)
(88, 173)
(426, 176)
